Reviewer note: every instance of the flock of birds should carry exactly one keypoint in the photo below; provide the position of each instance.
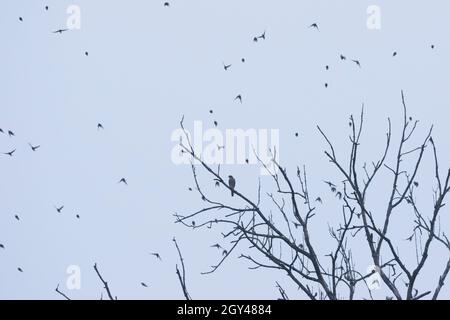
(238, 98)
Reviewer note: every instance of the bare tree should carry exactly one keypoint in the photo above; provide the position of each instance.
(272, 233)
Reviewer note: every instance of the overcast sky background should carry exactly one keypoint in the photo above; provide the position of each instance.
(147, 66)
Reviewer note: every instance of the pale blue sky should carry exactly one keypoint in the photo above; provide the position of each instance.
(149, 65)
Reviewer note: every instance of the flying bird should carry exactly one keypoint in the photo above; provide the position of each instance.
(100, 126)
(46, 8)
(263, 36)
(60, 31)
(156, 255)
(231, 184)
(166, 4)
(34, 148)
(217, 246)
(1, 130)
(19, 269)
(343, 57)
(238, 97)
(394, 54)
(20, 19)
(59, 209)
(11, 134)
(16, 217)
(314, 25)
(78, 216)
(319, 199)
(357, 63)
(2, 246)
(86, 53)
(144, 285)
(124, 181)
(226, 66)
(10, 153)
(242, 60)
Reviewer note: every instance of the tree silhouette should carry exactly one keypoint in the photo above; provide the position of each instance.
(272, 233)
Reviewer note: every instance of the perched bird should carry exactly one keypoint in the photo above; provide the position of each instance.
(224, 252)
(432, 46)
(16, 217)
(10, 133)
(193, 223)
(416, 183)
(100, 126)
(238, 97)
(34, 148)
(255, 39)
(60, 31)
(144, 285)
(124, 181)
(314, 25)
(19, 269)
(231, 184)
(190, 189)
(217, 184)
(246, 161)
(59, 209)
(10, 153)
(226, 66)
(156, 255)
(357, 63)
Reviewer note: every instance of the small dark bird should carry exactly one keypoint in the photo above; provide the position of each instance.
(394, 54)
(224, 252)
(156, 255)
(296, 134)
(231, 184)
(46, 8)
(343, 57)
(217, 246)
(416, 183)
(238, 97)
(255, 39)
(226, 66)
(217, 184)
(17, 217)
(34, 148)
(193, 223)
(1, 130)
(124, 181)
(60, 31)
(327, 67)
(86, 53)
(2, 246)
(242, 60)
(59, 209)
(326, 85)
(357, 63)
(144, 285)
(166, 4)
(211, 111)
(246, 161)
(100, 126)
(319, 200)
(19, 269)
(78, 216)
(20, 19)
(314, 25)
(11, 134)
(10, 153)
(432, 46)
(215, 123)
(190, 189)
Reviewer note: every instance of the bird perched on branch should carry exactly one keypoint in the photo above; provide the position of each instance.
(231, 184)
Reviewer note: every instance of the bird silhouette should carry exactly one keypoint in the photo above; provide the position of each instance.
(217, 246)
(60, 31)
(296, 134)
(78, 216)
(343, 57)
(211, 111)
(215, 123)
(432, 46)
(394, 54)
(144, 284)
(124, 181)
(231, 184)
(243, 60)
(2, 246)
(262, 36)
(326, 85)
(226, 66)
(17, 217)
(100, 126)
(86, 53)
(1, 130)
(11, 134)
(319, 200)
(357, 63)
(59, 209)
(10, 153)
(416, 183)
(166, 4)
(156, 255)
(34, 148)
(238, 97)
(20, 19)
(46, 8)
(327, 67)
(314, 25)
(19, 269)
